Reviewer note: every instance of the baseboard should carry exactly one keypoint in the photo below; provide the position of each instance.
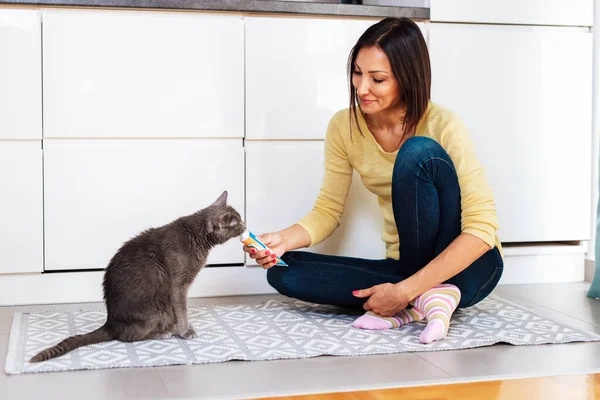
(86, 287)
(524, 267)
(590, 268)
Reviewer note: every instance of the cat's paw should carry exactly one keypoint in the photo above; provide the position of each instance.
(166, 335)
(189, 334)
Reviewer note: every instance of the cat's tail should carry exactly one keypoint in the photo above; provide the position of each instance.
(98, 336)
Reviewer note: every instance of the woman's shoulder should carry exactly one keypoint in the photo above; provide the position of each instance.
(440, 120)
(340, 123)
(440, 114)
(341, 118)
(343, 129)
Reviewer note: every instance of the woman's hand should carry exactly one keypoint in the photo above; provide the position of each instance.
(386, 299)
(265, 258)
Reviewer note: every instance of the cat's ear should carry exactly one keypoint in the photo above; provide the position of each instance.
(222, 200)
(211, 225)
(220, 223)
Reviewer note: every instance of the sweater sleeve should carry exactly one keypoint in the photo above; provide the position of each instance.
(477, 200)
(324, 218)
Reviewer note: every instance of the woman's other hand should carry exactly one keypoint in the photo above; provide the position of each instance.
(386, 299)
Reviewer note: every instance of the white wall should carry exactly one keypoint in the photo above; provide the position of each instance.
(595, 128)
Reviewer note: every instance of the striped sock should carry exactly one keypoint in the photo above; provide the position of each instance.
(371, 320)
(438, 304)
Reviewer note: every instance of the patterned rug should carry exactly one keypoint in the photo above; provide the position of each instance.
(273, 330)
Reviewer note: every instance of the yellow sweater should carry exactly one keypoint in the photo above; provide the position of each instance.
(375, 166)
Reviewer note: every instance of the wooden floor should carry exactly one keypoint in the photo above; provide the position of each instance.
(573, 387)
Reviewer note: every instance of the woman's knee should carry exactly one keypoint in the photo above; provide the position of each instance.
(480, 279)
(295, 279)
(415, 155)
(418, 149)
(276, 278)
(285, 279)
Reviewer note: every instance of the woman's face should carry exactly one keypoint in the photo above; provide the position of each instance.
(376, 86)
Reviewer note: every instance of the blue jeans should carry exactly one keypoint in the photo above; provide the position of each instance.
(427, 211)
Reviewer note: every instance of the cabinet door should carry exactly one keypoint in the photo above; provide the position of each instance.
(531, 12)
(296, 74)
(100, 193)
(20, 75)
(279, 193)
(525, 95)
(143, 74)
(21, 237)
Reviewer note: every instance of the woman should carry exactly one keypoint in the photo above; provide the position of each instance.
(417, 158)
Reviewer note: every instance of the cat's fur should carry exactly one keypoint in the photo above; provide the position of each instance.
(146, 282)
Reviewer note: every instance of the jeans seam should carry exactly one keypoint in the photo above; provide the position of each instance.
(368, 271)
(417, 206)
(417, 190)
(437, 158)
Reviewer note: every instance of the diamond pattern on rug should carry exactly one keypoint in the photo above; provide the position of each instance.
(273, 330)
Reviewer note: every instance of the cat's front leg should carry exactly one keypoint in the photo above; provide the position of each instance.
(186, 331)
(183, 328)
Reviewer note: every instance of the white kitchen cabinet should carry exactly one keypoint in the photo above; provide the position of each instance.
(21, 226)
(296, 75)
(282, 184)
(143, 74)
(20, 74)
(525, 95)
(100, 193)
(529, 12)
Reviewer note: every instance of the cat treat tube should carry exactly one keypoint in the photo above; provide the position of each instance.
(250, 240)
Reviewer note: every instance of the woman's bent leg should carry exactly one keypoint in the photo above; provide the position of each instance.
(325, 279)
(427, 209)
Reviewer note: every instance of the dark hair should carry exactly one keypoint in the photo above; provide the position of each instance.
(405, 47)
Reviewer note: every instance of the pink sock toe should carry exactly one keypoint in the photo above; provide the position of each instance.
(371, 322)
(432, 332)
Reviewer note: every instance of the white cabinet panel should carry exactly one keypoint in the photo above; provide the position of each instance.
(21, 237)
(525, 95)
(20, 75)
(100, 193)
(143, 74)
(296, 74)
(282, 186)
(529, 12)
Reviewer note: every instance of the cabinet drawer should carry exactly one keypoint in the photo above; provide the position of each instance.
(143, 74)
(21, 229)
(100, 193)
(525, 95)
(530, 12)
(20, 74)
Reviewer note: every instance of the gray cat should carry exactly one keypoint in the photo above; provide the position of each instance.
(146, 282)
